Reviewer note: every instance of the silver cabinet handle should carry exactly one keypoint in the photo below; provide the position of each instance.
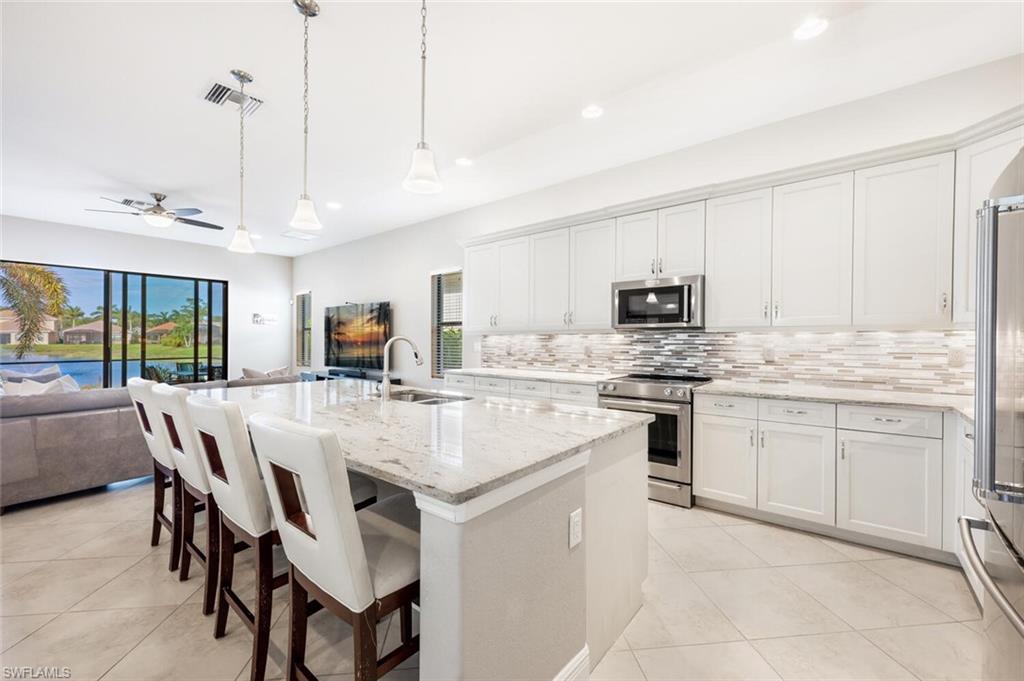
(795, 412)
(969, 436)
(495, 320)
(571, 322)
(762, 439)
(765, 311)
(842, 450)
(978, 567)
(887, 420)
(751, 437)
(945, 301)
(776, 310)
(652, 265)
(565, 319)
(724, 405)
(660, 268)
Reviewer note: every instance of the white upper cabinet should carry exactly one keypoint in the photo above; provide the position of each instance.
(812, 252)
(636, 246)
(739, 259)
(549, 280)
(480, 289)
(903, 243)
(681, 240)
(513, 312)
(592, 269)
(977, 168)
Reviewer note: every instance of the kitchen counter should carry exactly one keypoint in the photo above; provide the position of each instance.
(962, 404)
(537, 375)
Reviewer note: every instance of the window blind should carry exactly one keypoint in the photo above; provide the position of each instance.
(303, 330)
(446, 300)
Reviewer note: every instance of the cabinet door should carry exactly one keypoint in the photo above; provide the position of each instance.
(636, 246)
(739, 259)
(725, 459)
(903, 243)
(812, 252)
(681, 240)
(890, 486)
(513, 311)
(549, 280)
(796, 471)
(592, 255)
(977, 168)
(480, 288)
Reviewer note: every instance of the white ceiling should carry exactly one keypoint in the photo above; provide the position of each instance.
(107, 98)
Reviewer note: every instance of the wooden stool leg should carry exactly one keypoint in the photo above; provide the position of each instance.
(159, 491)
(212, 554)
(405, 615)
(188, 528)
(264, 599)
(227, 573)
(176, 491)
(297, 631)
(364, 635)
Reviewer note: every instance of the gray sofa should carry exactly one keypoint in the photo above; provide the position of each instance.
(56, 444)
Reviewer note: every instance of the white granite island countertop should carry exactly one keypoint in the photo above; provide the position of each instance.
(452, 452)
(796, 391)
(538, 375)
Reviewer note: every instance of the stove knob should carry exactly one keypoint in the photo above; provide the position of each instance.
(681, 392)
(611, 387)
(668, 392)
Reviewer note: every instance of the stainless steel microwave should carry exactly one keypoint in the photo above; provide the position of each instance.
(666, 303)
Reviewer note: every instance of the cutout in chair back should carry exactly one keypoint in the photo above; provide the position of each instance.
(172, 432)
(293, 501)
(213, 456)
(143, 417)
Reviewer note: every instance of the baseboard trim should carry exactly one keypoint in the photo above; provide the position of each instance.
(578, 668)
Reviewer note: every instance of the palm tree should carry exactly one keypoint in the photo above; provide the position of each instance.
(71, 316)
(33, 293)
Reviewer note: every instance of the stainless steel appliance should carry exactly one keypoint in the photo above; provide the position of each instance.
(999, 425)
(666, 303)
(670, 438)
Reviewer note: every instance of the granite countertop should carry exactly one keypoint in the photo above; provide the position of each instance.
(795, 391)
(452, 452)
(538, 375)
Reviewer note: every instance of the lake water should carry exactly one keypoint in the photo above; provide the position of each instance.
(88, 374)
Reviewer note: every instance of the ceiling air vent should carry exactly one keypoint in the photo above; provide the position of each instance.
(220, 94)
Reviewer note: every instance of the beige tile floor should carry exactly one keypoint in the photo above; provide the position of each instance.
(727, 598)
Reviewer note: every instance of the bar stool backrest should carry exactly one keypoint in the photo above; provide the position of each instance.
(178, 431)
(230, 463)
(304, 470)
(141, 392)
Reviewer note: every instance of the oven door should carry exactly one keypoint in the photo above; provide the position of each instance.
(677, 302)
(668, 438)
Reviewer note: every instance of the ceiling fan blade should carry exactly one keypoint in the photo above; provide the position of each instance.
(118, 212)
(129, 203)
(199, 223)
(185, 212)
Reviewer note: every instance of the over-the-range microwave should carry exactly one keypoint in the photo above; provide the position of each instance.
(665, 303)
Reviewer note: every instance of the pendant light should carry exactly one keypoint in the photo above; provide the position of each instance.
(422, 177)
(240, 242)
(305, 212)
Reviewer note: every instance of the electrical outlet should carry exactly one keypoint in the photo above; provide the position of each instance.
(957, 357)
(575, 527)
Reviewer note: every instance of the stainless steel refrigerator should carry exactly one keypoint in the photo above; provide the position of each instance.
(999, 425)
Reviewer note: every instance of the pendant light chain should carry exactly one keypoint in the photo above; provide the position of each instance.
(423, 72)
(241, 156)
(305, 105)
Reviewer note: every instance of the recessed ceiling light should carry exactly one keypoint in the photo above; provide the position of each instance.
(463, 161)
(333, 205)
(255, 237)
(811, 28)
(592, 111)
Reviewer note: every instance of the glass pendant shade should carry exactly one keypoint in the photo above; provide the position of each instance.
(158, 219)
(305, 216)
(422, 177)
(240, 242)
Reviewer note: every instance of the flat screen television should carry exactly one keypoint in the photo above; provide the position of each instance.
(355, 335)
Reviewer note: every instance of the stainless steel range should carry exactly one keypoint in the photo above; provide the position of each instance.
(670, 438)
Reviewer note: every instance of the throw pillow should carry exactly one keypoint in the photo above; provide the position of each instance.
(43, 375)
(253, 373)
(277, 373)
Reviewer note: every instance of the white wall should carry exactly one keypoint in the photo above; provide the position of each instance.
(256, 283)
(396, 265)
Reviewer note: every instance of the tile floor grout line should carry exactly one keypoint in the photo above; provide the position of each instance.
(884, 652)
(962, 575)
(137, 644)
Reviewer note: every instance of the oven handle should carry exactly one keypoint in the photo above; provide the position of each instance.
(640, 406)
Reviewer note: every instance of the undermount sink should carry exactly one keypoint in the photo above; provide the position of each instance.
(432, 399)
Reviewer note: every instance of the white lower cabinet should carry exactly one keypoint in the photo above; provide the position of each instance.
(796, 471)
(725, 459)
(890, 486)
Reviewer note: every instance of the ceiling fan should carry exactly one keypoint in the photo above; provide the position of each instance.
(155, 214)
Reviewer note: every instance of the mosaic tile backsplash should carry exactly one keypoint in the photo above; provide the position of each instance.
(914, 361)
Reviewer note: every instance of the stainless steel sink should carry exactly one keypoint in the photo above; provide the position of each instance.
(431, 399)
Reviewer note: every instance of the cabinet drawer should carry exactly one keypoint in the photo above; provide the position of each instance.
(537, 389)
(574, 392)
(458, 381)
(726, 405)
(491, 385)
(919, 422)
(788, 411)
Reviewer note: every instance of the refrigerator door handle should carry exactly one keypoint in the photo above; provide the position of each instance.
(978, 567)
(985, 355)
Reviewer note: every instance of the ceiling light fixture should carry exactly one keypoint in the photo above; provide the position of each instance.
(305, 212)
(463, 161)
(812, 27)
(592, 111)
(240, 242)
(255, 237)
(422, 177)
(334, 205)
(159, 219)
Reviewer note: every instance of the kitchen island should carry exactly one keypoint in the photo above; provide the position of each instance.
(505, 589)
